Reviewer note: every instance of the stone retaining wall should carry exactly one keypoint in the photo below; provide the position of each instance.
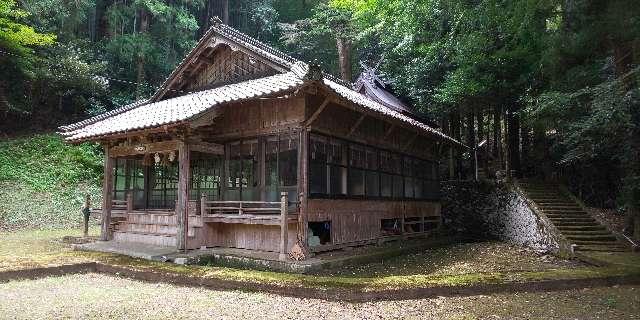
(490, 210)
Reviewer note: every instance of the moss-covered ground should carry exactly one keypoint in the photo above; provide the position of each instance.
(29, 249)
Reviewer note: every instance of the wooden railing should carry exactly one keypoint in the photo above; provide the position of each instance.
(281, 208)
(242, 207)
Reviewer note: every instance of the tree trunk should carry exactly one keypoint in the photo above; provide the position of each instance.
(143, 26)
(471, 141)
(496, 135)
(455, 128)
(344, 57)
(225, 12)
(513, 141)
(524, 156)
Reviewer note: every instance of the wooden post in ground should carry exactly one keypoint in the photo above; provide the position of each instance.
(182, 205)
(107, 188)
(86, 211)
(284, 225)
(129, 198)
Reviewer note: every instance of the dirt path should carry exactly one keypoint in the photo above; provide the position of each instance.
(94, 296)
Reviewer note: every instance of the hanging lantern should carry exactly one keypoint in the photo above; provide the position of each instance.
(165, 160)
(172, 156)
(156, 158)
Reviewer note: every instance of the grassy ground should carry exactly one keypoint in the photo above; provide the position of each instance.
(93, 296)
(39, 248)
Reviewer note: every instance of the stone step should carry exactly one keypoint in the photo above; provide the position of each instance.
(591, 238)
(564, 211)
(585, 233)
(556, 203)
(575, 224)
(571, 219)
(568, 215)
(569, 208)
(601, 248)
(581, 228)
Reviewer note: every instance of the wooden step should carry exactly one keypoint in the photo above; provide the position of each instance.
(160, 240)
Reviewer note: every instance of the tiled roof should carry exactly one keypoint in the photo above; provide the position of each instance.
(153, 113)
(182, 108)
(366, 102)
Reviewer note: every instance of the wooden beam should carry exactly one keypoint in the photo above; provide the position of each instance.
(107, 188)
(144, 148)
(356, 125)
(182, 206)
(315, 114)
(206, 147)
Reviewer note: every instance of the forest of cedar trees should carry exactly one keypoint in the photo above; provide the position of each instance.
(544, 88)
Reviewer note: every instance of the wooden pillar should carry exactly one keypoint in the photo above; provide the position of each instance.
(107, 193)
(284, 225)
(129, 198)
(203, 204)
(303, 187)
(182, 206)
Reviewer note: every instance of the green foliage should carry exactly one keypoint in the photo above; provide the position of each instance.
(14, 34)
(45, 162)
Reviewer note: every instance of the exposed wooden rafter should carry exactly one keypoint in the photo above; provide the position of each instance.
(356, 125)
(315, 114)
(410, 142)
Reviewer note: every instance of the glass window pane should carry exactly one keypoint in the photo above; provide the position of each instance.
(386, 185)
(373, 184)
(336, 152)
(356, 182)
(408, 187)
(288, 160)
(398, 190)
(317, 165)
(357, 156)
(417, 188)
(337, 180)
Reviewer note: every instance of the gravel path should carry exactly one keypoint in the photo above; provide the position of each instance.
(94, 296)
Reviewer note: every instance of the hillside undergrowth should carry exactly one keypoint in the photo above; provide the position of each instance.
(43, 181)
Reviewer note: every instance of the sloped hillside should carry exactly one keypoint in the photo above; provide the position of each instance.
(43, 181)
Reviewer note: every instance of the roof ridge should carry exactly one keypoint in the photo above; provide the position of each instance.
(102, 116)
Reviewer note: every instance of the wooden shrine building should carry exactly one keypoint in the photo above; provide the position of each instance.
(246, 147)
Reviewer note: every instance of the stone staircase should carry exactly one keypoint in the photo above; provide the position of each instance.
(575, 224)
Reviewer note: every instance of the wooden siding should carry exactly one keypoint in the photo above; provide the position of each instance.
(248, 236)
(359, 220)
(255, 118)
